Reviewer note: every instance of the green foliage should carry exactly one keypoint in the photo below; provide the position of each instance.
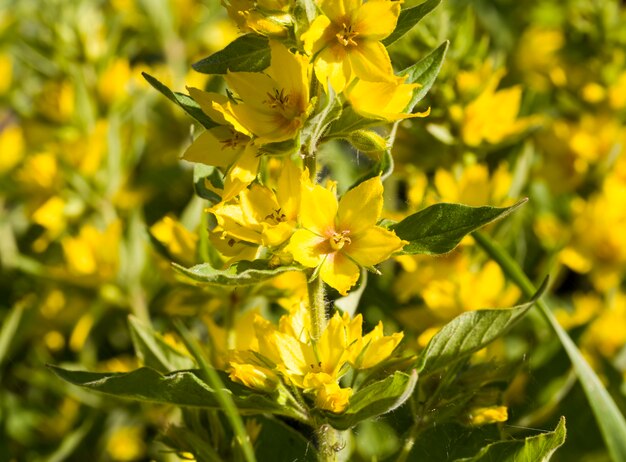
(425, 72)
(184, 101)
(470, 332)
(248, 53)
(241, 273)
(375, 399)
(538, 448)
(409, 17)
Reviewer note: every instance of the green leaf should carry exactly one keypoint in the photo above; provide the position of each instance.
(425, 73)
(181, 388)
(10, 325)
(153, 351)
(203, 175)
(239, 274)
(408, 18)
(293, 445)
(538, 448)
(608, 416)
(439, 228)
(468, 333)
(184, 101)
(375, 399)
(348, 122)
(248, 53)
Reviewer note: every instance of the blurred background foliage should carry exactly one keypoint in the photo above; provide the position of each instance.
(95, 203)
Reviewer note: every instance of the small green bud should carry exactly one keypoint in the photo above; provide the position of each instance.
(367, 141)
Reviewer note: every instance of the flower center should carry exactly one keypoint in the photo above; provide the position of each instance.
(277, 216)
(277, 100)
(233, 142)
(338, 240)
(346, 35)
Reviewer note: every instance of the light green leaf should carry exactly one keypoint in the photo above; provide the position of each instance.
(348, 122)
(425, 73)
(153, 351)
(408, 18)
(538, 448)
(10, 325)
(468, 333)
(375, 399)
(248, 53)
(184, 101)
(181, 388)
(239, 274)
(439, 228)
(608, 416)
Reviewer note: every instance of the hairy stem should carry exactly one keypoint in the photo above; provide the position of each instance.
(317, 307)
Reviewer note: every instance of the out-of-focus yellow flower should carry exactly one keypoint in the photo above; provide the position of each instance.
(180, 242)
(39, 171)
(617, 93)
(113, 82)
(599, 226)
(274, 103)
(607, 333)
(86, 152)
(338, 237)
(126, 443)
(593, 92)
(6, 72)
(57, 101)
(387, 100)
(51, 215)
(492, 116)
(584, 308)
(345, 41)
(488, 415)
(240, 336)
(11, 146)
(474, 185)
(538, 58)
(265, 17)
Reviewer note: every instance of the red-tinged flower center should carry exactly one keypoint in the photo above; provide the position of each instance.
(338, 240)
(346, 35)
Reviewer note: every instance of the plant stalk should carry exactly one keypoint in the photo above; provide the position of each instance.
(317, 307)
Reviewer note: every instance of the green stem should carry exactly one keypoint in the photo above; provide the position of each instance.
(226, 401)
(317, 307)
(608, 416)
(330, 443)
(310, 163)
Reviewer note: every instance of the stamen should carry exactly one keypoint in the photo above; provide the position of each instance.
(346, 36)
(338, 240)
(278, 100)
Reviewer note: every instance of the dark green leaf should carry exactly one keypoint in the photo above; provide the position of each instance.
(425, 72)
(538, 448)
(153, 351)
(181, 388)
(408, 18)
(203, 176)
(184, 101)
(248, 53)
(375, 399)
(293, 445)
(468, 333)
(239, 274)
(439, 228)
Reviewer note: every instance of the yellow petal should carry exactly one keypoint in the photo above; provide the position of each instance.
(311, 38)
(205, 100)
(333, 67)
(242, 173)
(373, 246)
(290, 71)
(340, 272)
(318, 207)
(288, 190)
(370, 61)
(307, 248)
(337, 10)
(376, 20)
(360, 207)
(217, 146)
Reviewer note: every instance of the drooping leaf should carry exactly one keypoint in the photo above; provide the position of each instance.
(610, 419)
(239, 274)
(538, 448)
(184, 101)
(470, 332)
(425, 73)
(375, 399)
(153, 351)
(248, 53)
(408, 18)
(181, 388)
(439, 228)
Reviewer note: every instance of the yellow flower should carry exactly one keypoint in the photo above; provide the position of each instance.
(265, 17)
(340, 237)
(180, 242)
(272, 105)
(474, 185)
(263, 216)
(488, 415)
(345, 41)
(253, 376)
(385, 100)
(374, 347)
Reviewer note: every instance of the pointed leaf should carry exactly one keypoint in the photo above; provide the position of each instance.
(248, 53)
(408, 18)
(470, 332)
(205, 176)
(153, 351)
(538, 448)
(239, 274)
(375, 399)
(181, 388)
(184, 101)
(425, 73)
(439, 228)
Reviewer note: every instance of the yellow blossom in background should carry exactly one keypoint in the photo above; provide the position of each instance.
(488, 415)
(11, 146)
(338, 237)
(274, 103)
(265, 17)
(6, 72)
(606, 335)
(493, 116)
(180, 242)
(345, 41)
(126, 444)
(538, 57)
(474, 185)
